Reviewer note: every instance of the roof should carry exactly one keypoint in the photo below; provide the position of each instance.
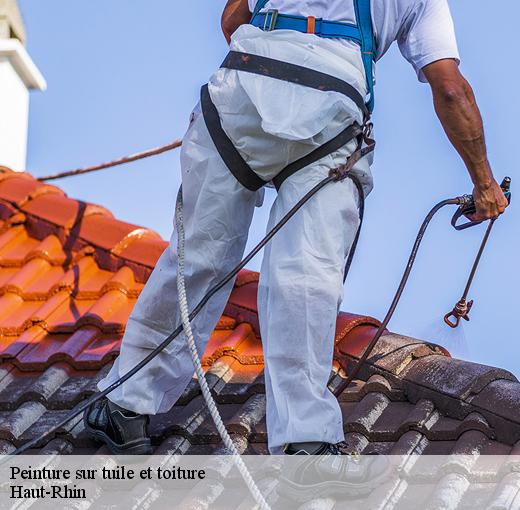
(70, 274)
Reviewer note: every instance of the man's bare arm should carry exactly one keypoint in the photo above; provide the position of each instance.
(458, 112)
(235, 13)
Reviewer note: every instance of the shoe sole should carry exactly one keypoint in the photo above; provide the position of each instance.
(304, 493)
(137, 447)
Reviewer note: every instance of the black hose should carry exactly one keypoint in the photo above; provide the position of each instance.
(353, 248)
(345, 383)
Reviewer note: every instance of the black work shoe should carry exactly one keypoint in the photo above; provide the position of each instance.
(123, 431)
(324, 472)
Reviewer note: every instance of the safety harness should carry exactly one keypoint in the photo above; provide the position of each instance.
(361, 33)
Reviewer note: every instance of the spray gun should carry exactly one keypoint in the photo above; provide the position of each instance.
(466, 205)
(463, 307)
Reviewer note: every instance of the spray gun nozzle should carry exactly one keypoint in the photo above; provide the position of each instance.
(460, 311)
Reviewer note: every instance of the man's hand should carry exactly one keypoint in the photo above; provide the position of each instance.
(458, 112)
(235, 13)
(490, 202)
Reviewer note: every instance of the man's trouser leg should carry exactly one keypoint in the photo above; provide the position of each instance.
(301, 286)
(217, 214)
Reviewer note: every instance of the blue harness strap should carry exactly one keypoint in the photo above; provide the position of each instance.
(362, 32)
(259, 6)
(368, 44)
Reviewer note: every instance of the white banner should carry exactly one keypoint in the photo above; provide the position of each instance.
(207, 482)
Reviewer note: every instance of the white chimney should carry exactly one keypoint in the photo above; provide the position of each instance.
(18, 75)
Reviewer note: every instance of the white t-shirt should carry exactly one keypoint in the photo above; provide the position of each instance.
(423, 28)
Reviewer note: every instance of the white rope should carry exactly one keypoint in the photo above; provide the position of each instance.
(206, 393)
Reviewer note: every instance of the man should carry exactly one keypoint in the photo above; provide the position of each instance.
(271, 122)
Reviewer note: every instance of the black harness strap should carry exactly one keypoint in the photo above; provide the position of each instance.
(293, 73)
(231, 157)
(241, 170)
(331, 146)
(287, 72)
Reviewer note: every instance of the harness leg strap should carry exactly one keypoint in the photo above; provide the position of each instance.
(242, 171)
(229, 154)
(295, 74)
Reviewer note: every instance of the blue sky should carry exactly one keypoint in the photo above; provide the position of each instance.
(123, 76)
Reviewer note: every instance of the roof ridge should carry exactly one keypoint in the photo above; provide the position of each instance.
(457, 387)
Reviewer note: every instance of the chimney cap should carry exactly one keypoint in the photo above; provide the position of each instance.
(11, 21)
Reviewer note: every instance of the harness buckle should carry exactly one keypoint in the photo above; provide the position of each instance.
(270, 20)
(368, 128)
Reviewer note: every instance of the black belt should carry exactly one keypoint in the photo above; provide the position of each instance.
(286, 72)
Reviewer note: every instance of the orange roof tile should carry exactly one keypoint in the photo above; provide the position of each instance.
(70, 275)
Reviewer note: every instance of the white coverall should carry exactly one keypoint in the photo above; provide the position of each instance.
(271, 123)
